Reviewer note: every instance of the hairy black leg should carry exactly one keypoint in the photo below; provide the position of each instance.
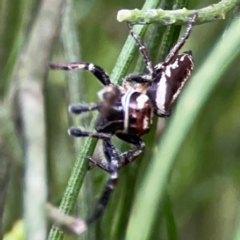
(76, 132)
(77, 109)
(138, 78)
(100, 74)
(113, 159)
(125, 157)
(104, 164)
(130, 155)
(143, 51)
(181, 41)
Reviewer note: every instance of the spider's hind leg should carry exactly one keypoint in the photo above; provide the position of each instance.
(125, 157)
(130, 155)
(103, 163)
(113, 159)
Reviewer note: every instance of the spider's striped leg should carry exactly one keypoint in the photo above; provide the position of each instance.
(130, 155)
(143, 51)
(78, 109)
(99, 73)
(103, 163)
(125, 157)
(100, 164)
(113, 160)
(181, 41)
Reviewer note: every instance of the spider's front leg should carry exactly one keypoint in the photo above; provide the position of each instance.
(171, 55)
(99, 73)
(143, 50)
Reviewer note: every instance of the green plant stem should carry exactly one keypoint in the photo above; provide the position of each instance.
(178, 17)
(169, 218)
(189, 106)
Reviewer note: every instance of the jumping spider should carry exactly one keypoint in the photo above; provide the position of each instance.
(126, 111)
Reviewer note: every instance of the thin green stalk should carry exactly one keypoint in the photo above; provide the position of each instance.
(25, 12)
(189, 106)
(169, 218)
(180, 16)
(72, 53)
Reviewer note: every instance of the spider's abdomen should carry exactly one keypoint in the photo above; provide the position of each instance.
(169, 82)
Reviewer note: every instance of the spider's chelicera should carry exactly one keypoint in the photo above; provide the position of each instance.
(126, 111)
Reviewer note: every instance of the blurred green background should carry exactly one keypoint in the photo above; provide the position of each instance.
(203, 188)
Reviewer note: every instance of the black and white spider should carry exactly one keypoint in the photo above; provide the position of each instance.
(126, 111)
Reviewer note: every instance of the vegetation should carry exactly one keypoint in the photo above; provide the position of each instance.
(184, 186)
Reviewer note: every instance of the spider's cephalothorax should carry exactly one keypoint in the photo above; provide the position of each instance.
(126, 111)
